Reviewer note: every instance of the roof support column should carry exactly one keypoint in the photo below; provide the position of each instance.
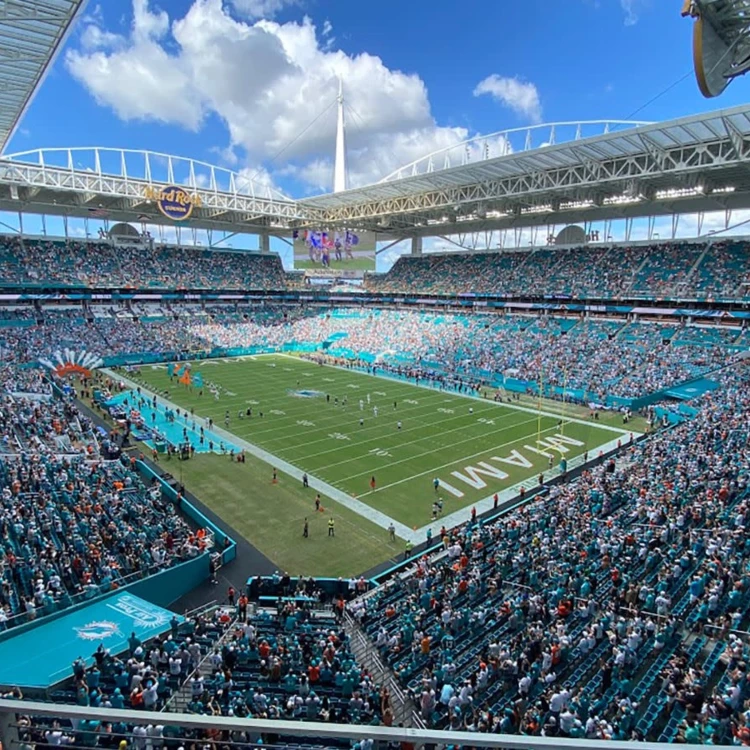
(264, 241)
(416, 246)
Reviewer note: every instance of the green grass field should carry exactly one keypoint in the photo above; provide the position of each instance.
(474, 446)
(271, 518)
(351, 264)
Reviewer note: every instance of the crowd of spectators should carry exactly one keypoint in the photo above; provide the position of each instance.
(596, 357)
(293, 664)
(103, 264)
(614, 608)
(663, 269)
(673, 269)
(72, 525)
(585, 355)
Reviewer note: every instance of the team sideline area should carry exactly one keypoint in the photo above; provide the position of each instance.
(420, 444)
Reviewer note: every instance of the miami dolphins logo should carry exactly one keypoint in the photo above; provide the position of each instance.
(98, 631)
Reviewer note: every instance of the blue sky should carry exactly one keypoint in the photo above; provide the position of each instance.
(239, 83)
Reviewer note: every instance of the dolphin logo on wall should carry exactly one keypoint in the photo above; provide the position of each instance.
(98, 631)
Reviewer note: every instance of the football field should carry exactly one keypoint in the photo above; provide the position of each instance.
(346, 427)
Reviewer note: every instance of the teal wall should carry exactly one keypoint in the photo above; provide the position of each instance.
(186, 507)
(161, 589)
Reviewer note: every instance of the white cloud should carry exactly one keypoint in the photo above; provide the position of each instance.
(269, 84)
(327, 34)
(522, 97)
(630, 9)
(152, 84)
(261, 8)
(93, 37)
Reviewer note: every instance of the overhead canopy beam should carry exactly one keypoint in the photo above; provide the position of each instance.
(32, 32)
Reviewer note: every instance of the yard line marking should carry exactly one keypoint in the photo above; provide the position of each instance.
(436, 469)
(420, 428)
(353, 504)
(386, 376)
(473, 438)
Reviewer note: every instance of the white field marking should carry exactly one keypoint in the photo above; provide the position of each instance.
(271, 396)
(450, 489)
(463, 514)
(317, 485)
(334, 419)
(475, 473)
(380, 452)
(420, 428)
(407, 385)
(574, 420)
(437, 469)
(382, 393)
(463, 459)
(452, 444)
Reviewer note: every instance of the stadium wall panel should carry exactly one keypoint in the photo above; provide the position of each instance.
(224, 542)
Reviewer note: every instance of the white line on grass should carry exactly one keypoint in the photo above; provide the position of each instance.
(360, 508)
(482, 506)
(471, 439)
(386, 376)
(463, 459)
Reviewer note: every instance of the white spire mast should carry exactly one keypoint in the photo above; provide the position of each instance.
(339, 164)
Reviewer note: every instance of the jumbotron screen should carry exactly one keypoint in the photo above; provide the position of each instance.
(335, 250)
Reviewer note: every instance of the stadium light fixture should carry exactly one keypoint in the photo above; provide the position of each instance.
(544, 209)
(622, 200)
(679, 192)
(576, 204)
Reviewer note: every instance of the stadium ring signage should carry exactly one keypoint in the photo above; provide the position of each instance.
(174, 202)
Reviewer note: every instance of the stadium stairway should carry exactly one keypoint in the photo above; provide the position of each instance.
(685, 283)
(366, 654)
(180, 699)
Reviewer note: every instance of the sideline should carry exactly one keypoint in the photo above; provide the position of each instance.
(508, 405)
(419, 535)
(361, 509)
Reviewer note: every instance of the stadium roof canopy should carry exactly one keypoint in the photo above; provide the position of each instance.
(689, 165)
(692, 164)
(31, 34)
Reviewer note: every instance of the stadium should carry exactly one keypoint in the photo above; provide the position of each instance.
(259, 489)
